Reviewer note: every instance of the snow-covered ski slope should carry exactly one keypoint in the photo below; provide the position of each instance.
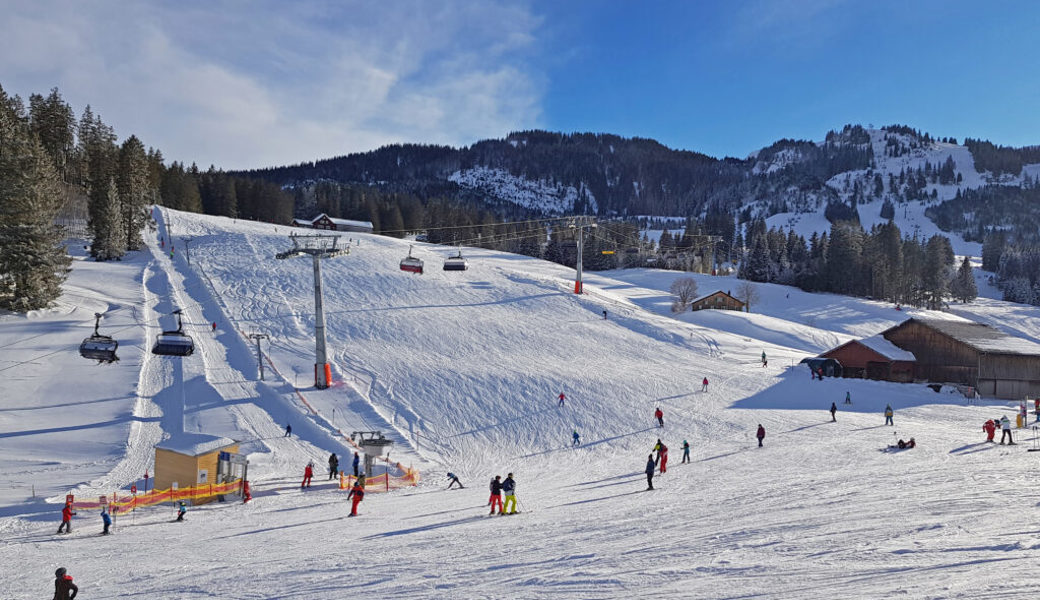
(463, 370)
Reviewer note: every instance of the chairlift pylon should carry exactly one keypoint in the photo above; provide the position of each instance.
(101, 348)
(456, 263)
(411, 264)
(174, 343)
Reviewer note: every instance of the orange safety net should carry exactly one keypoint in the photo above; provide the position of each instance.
(384, 482)
(123, 502)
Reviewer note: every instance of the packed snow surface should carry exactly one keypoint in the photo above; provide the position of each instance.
(462, 370)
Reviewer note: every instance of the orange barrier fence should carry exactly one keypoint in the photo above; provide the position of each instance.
(384, 482)
(124, 502)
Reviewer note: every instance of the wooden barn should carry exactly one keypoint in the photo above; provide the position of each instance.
(874, 358)
(299, 223)
(323, 221)
(718, 300)
(996, 364)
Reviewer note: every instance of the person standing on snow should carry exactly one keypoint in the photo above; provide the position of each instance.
(509, 487)
(834, 411)
(288, 431)
(704, 385)
(66, 518)
(333, 465)
(357, 460)
(848, 398)
(888, 415)
(685, 451)
(1005, 426)
(454, 479)
(182, 509)
(562, 399)
(659, 416)
(358, 494)
(764, 361)
(761, 434)
(662, 455)
(308, 472)
(577, 439)
(64, 589)
(650, 465)
(106, 519)
(990, 428)
(496, 495)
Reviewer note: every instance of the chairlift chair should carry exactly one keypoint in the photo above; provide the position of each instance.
(456, 263)
(174, 343)
(411, 264)
(101, 348)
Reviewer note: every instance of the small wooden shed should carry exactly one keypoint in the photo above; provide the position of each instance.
(188, 459)
(718, 300)
(323, 221)
(874, 358)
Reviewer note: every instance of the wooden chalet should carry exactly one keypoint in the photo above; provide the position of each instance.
(874, 358)
(300, 223)
(995, 363)
(323, 221)
(718, 300)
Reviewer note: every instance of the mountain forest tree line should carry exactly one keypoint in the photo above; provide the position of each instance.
(879, 264)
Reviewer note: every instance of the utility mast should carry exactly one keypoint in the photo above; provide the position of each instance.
(580, 224)
(318, 247)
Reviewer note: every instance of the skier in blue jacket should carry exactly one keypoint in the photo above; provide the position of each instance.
(357, 460)
(106, 519)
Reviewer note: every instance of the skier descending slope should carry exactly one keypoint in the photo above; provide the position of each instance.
(761, 434)
(659, 416)
(509, 487)
(357, 493)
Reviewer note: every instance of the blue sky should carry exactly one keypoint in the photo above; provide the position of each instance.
(242, 84)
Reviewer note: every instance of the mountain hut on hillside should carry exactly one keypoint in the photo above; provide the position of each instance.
(718, 300)
(323, 221)
(874, 358)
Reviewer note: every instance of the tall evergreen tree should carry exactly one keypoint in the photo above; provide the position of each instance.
(33, 263)
(100, 161)
(133, 186)
(963, 285)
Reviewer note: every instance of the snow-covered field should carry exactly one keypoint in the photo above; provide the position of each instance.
(462, 370)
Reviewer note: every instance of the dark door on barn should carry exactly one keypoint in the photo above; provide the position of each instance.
(878, 370)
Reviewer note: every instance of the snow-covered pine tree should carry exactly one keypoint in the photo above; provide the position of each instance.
(963, 285)
(33, 263)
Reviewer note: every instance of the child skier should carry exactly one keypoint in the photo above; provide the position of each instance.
(888, 415)
(454, 479)
(834, 411)
(990, 428)
(496, 495)
(659, 416)
(704, 384)
(577, 439)
(308, 472)
(106, 519)
(357, 493)
(685, 451)
(848, 398)
(761, 434)
(562, 399)
(182, 509)
(1005, 426)
(66, 518)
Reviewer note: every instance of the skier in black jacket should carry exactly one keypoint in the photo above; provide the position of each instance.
(496, 495)
(650, 464)
(64, 589)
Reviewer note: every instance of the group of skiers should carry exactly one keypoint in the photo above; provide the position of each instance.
(990, 427)
(499, 487)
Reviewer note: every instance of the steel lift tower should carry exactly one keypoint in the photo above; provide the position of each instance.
(318, 247)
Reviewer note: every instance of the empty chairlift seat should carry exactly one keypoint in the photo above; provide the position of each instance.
(174, 343)
(456, 263)
(411, 264)
(99, 347)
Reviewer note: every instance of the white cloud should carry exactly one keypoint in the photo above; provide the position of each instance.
(242, 84)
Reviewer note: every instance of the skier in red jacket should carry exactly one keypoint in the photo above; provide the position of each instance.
(66, 518)
(308, 471)
(357, 493)
(662, 454)
(990, 428)
(704, 385)
(659, 416)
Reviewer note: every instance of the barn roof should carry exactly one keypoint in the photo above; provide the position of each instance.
(886, 348)
(715, 293)
(345, 222)
(980, 337)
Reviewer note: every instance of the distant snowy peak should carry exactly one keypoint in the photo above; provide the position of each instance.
(538, 195)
